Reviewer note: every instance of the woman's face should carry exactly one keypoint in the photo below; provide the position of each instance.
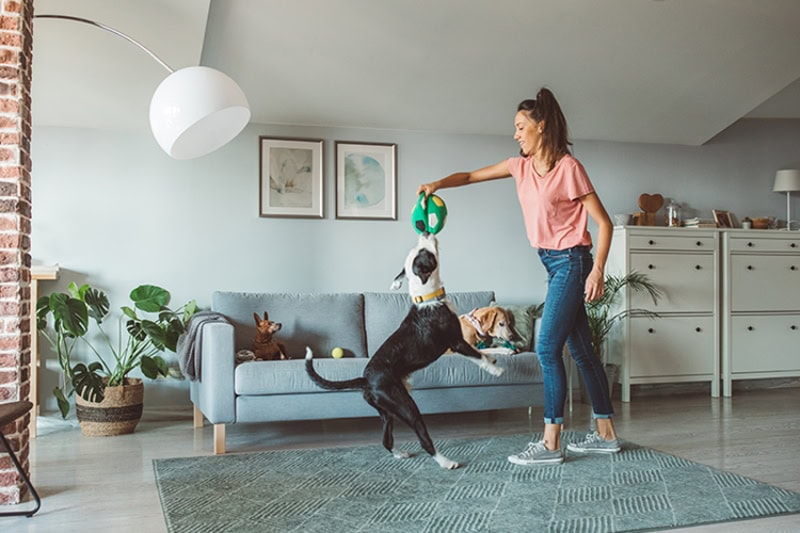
(527, 133)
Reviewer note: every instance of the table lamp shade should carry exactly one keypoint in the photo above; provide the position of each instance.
(787, 181)
(196, 110)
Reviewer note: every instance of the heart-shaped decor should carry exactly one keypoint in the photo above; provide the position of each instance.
(650, 203)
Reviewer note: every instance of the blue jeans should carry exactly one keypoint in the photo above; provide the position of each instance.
(564, 321)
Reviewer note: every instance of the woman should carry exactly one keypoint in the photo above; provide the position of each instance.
(557, 198)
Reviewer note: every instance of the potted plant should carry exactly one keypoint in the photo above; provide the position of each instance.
(147, 328)
(604, 313)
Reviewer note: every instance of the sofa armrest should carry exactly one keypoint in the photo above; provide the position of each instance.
(214, 392)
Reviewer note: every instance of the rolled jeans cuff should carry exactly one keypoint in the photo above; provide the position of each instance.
(559, 420)
(610, 415)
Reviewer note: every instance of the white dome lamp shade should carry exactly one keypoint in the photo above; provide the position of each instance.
(196, 110)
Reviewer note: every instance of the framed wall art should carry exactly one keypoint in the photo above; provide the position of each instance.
(366, 180)
(290, 182)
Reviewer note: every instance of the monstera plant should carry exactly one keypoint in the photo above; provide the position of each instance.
(148, 326)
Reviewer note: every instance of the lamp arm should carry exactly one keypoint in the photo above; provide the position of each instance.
(110, 30)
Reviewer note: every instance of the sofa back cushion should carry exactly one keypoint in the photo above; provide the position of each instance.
(384, 311)
(321, 321)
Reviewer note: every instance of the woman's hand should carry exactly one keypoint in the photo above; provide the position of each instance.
(427, 188)
(595, 286)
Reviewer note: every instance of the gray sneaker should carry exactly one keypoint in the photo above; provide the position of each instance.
(594, 443)
(537, 454)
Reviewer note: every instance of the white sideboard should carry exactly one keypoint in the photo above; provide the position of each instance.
(761, 306)
(683, 343)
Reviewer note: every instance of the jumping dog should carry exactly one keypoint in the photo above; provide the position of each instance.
(429, 329)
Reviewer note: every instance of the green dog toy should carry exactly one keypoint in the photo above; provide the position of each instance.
(431, 217)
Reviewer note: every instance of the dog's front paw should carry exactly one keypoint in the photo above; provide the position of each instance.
(496, 370)
(491, 368)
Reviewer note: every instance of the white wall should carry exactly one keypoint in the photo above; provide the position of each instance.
(112, 209)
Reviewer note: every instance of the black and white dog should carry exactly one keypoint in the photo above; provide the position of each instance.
(428, 330)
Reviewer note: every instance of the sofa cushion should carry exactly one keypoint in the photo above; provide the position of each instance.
(290, 377)
(459, 371)
(384, 311)
(321, 321)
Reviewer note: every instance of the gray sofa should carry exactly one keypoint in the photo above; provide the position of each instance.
(271, 391)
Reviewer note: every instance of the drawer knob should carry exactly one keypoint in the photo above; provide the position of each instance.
(750, 244)
(698, 329)
(749, 267)
(699, 243)
(650, 330)
(651, 267)
(698, 267)
(793, 267)
(793, 245)
(750, 328)
(793, 327)
(651, 242)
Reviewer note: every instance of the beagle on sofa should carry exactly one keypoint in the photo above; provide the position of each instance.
(483, 324)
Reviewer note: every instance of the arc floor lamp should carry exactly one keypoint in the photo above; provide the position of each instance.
(195, 110)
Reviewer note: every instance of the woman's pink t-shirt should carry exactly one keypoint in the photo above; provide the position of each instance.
(555, 218)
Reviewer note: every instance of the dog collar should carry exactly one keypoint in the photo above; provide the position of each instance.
(439, 294)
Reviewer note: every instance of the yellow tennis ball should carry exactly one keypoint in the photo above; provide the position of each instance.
(337, 353)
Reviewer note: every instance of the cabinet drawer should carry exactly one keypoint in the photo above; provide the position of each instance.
(765, 343)
(756, 245)
(672, 242)
(765, 283)
(675, 346)
(688, 282)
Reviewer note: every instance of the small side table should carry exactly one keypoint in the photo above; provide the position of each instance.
(38, 273)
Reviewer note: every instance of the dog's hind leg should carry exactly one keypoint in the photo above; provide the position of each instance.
(388, 436)
(396, 400)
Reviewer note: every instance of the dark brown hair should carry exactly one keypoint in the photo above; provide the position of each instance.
(555, 139)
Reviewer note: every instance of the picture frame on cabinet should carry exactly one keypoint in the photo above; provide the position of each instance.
(366, 180)
(290, 177)
(724, 219)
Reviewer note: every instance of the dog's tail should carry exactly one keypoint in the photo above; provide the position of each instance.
(357, 383)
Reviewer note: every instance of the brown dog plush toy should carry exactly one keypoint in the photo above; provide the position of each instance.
(265, 347)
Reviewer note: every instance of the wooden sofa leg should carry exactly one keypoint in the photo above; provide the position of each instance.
(198, 417)
(219, 439)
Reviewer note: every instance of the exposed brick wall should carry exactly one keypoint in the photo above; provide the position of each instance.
(15, 230)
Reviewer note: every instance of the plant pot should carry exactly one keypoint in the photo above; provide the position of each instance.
(118, 413)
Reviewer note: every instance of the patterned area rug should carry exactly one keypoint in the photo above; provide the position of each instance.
(366, 489)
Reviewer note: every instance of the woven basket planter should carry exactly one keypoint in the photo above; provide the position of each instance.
(118, 413)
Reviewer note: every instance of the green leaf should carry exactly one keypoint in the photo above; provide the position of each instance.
(98, 304)
(63, 403)
(152, 367)
(149, 298)
(155, 332)
(70, 314)
(134, 329)
(88, 382)
(128, 312)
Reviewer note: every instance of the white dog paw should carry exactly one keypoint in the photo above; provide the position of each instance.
(496, 370)
(400, 454)
(444, 462)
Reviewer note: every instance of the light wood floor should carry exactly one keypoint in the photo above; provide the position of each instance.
(106, 484)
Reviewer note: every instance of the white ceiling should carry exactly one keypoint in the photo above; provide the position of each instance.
(665, 71)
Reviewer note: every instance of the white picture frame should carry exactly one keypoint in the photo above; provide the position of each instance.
(290, 177)
(366, 180)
